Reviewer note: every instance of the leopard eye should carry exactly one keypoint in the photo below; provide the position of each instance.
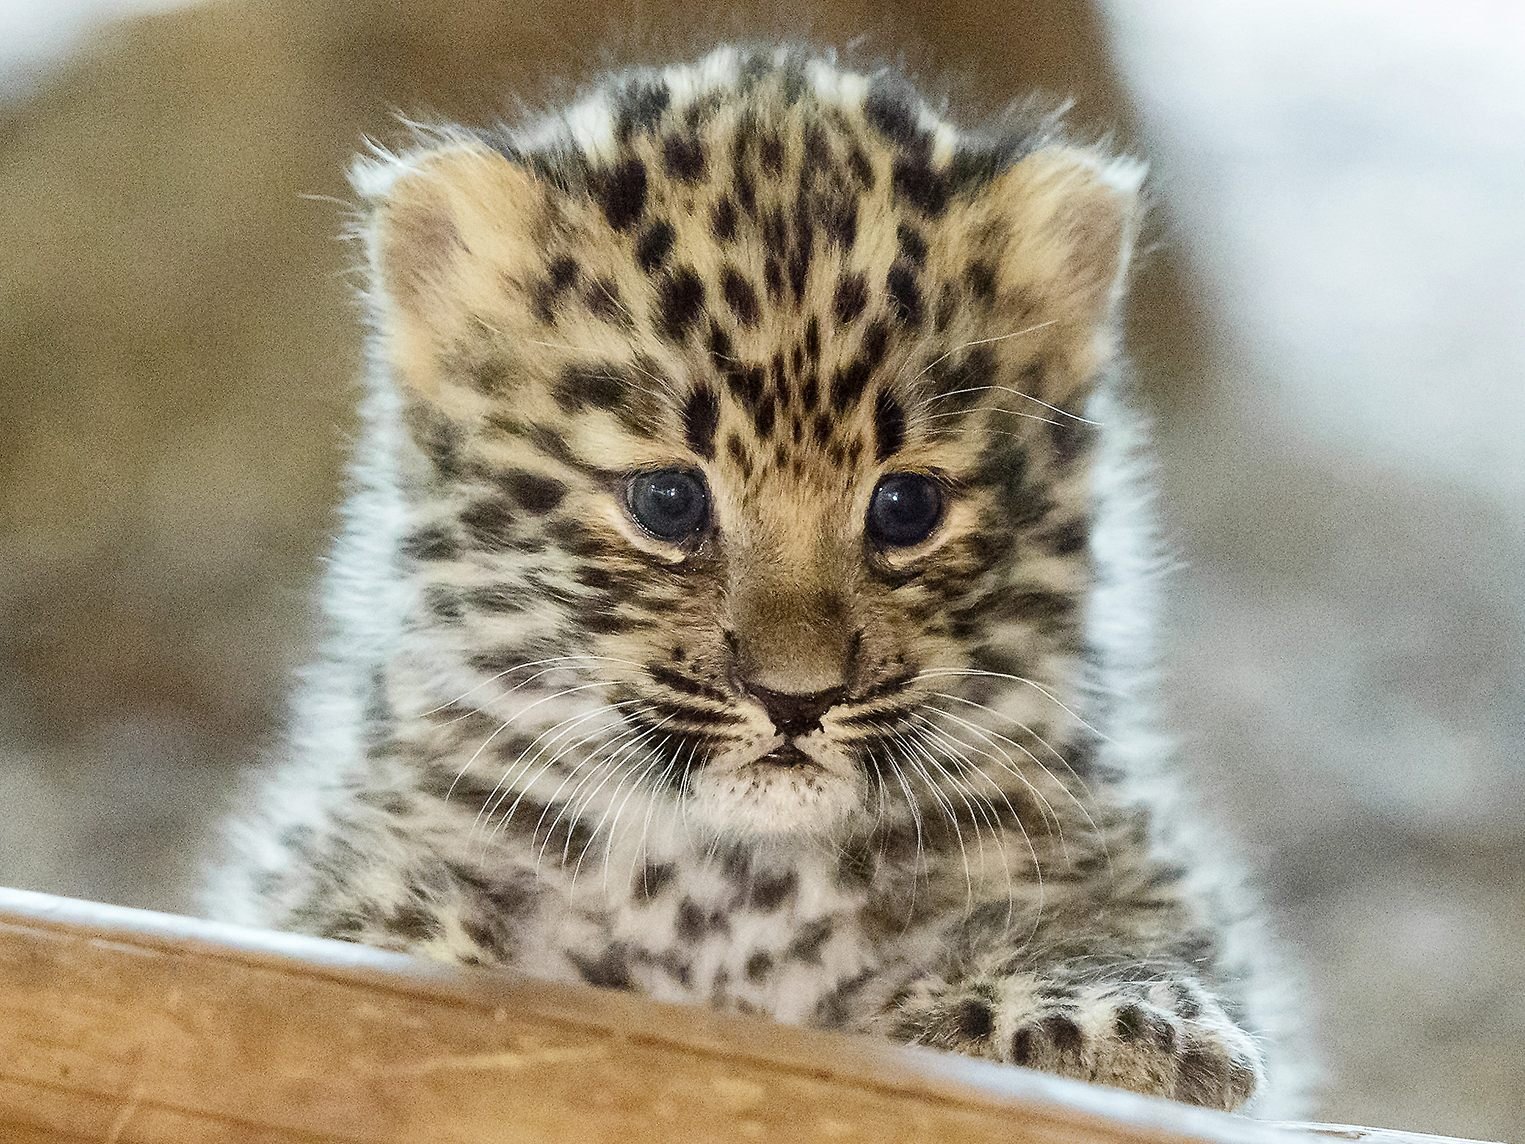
(904, 510)
(671, 504)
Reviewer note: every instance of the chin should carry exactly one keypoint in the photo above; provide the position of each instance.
(778, 794)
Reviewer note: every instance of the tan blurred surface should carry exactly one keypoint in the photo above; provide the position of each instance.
(1331, 333)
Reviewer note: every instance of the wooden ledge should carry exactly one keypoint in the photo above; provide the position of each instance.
(120, 1025)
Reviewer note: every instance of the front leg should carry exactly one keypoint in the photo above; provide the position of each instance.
(1141, 1025)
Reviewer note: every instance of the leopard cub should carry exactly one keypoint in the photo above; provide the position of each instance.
(744, 591)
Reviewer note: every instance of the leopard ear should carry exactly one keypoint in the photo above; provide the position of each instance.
(1067, 219)
(443, 226)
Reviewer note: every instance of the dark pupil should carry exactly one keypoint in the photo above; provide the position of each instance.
(670, 504)
(904, 509)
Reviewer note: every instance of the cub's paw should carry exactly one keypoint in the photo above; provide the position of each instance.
(1165, 1038)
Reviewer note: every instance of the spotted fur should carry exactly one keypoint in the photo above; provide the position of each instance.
(542, 737)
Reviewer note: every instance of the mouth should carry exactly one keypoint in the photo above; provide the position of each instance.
(787, 755)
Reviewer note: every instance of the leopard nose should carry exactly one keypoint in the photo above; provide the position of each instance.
(795, 714)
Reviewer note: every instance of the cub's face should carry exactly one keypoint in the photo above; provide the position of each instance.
(760, 437)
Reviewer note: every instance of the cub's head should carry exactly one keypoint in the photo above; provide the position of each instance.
(746, 438)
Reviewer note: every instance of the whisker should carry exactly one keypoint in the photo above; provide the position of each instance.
(981, 342)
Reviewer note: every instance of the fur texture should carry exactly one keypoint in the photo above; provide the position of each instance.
(774, 764)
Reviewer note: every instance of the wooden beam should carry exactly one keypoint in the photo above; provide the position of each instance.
(123, 1026)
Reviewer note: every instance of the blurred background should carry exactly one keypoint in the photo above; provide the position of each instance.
(1331, 328)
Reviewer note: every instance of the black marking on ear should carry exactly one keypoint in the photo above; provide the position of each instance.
(701, 417)
(683, 157)
(534, 493)
(918, 184)
(740, 296)
(723, 219)
(682, 300)
(891, 110)
(622, 193)
(654, 246)
(905, 294)
(912, 244)
(889, 426)
(852, 297)
(640, 108)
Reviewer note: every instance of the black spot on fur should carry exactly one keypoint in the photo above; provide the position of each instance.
(723, 219)
(622, 193)
(917, 183)
(852, 297)
(890, 109)
(1065, 1035)
(975, 1020)
(740, 296)
(768, 892)
(739, 456)
(912, 245)
(603, 299)
(610, 970)
(489, 523)
(429, 543)
(443, 602)
(701, 417)
(759, 965)
(654, 246)
(861, 168)
(654, 878)
(773, 278)
(813, 338)
(682, 301)
(1022, 1046)
(981, 279)
(876, 340)
(533, 493)
(889, 426)
(771, 152)
(839, 218)
(904, 293)
(640, 109)
(745, 384)
(764, 416)
(597, 386)
(683, 157)
(810, 941)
